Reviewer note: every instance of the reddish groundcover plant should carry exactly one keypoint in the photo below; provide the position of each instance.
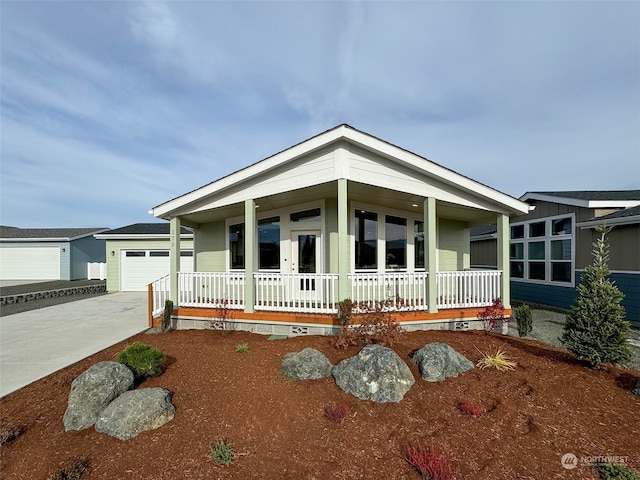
(470, 408)
(336, 413)
(430, 464)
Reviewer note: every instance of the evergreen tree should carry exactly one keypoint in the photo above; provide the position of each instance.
(595, 328)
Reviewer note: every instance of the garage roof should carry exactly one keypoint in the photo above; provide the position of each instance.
(15, 234)
(143, 230)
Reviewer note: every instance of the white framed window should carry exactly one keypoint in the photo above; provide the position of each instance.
(543, 250)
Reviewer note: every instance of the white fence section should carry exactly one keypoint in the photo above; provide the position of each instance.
(160, 294)
(211, 289)
(403, 290)
(297, 292)
(476, 288)
(96, 271)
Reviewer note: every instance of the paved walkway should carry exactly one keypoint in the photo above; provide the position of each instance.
(37, 343)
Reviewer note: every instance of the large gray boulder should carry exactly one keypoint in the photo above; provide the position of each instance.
(92, 391)
(309, 364)
(438, 361)
(136, 411)
(376, 373)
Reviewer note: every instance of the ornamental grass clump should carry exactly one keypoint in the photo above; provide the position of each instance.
(242, 348)
(498, 360)
(9, 433)
(221, 452)
(143, 360)
(336, 413)
(470, 408)
(71, 470)
(430, 464)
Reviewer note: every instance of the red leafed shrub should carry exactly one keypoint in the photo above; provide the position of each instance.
(493, 316)
(336, 413)
(430, 464)
(470, 408)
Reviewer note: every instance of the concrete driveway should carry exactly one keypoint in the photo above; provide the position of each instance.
(37, 343)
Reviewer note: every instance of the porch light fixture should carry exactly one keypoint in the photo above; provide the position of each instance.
(112, 253)
(415, 205)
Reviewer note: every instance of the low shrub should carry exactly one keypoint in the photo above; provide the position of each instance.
(166, 316)
(615, 471)
(71, 470)
(376, 324)
(336, 413)
(9, 433)
(430, 464)
(470, 408)
(493, 317)
(523, 320)
(242, 348)
(143, 360)
(221, 452)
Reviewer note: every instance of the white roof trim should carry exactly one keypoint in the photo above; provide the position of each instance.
(577, 202)
(139, 236)
(170, 208)
(613, 221)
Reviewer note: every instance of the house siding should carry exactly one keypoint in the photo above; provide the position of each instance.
(453, 245)
(484, 253)
(210, 247)
(624, 253)
(116, 246)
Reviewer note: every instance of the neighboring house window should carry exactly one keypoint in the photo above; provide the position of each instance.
(542, 250)
(395, 242)
(269, 243)
(366, 233)
(418, 242)
(236, 246)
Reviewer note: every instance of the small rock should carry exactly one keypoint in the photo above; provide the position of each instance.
(376, 373)
(309, 364)
(438, 361)
(92, 391)
(136, 411)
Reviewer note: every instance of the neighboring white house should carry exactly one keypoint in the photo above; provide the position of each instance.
(48, 253)
(138, 254)
(340, 215)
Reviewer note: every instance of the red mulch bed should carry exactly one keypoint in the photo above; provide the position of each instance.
(548, 406)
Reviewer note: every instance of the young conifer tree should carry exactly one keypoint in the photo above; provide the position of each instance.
(595, 328)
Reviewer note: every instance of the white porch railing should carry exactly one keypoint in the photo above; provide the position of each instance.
(318, 293)
(403, 290)
(476, 288)
(211, 289)
(297, 292)
(159, 294)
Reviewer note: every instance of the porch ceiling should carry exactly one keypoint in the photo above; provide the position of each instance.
(357, 192)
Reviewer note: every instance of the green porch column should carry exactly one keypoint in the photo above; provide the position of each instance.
(174, 259)
(503, 258)
(343, 241)
(250, 255)
(430, 252)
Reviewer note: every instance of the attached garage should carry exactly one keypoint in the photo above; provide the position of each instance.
(138, 254)
(138, 268)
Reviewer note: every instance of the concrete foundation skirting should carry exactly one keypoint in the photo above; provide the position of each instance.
(292, 330)
(61, 292)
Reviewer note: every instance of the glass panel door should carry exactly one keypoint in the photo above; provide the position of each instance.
(306, 259)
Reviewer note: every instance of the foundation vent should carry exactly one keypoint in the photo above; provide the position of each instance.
(459, 326)
(299, 330)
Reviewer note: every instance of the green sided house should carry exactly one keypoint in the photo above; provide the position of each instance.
(341, 215)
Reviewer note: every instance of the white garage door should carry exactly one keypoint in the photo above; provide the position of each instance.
(138, 268)
(30, 263)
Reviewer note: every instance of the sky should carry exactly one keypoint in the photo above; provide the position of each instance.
(111, 108)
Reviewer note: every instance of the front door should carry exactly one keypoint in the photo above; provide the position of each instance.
(306, 260)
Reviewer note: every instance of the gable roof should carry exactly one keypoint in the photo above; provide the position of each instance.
(626, 216)
(338, 136)
(16, 234)
(589, 198)
(143, 230)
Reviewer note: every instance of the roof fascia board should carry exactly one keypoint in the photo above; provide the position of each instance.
(613, 221)
(577, 202)
(139, 236)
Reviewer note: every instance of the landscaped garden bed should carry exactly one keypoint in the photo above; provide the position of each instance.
(526, 419)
